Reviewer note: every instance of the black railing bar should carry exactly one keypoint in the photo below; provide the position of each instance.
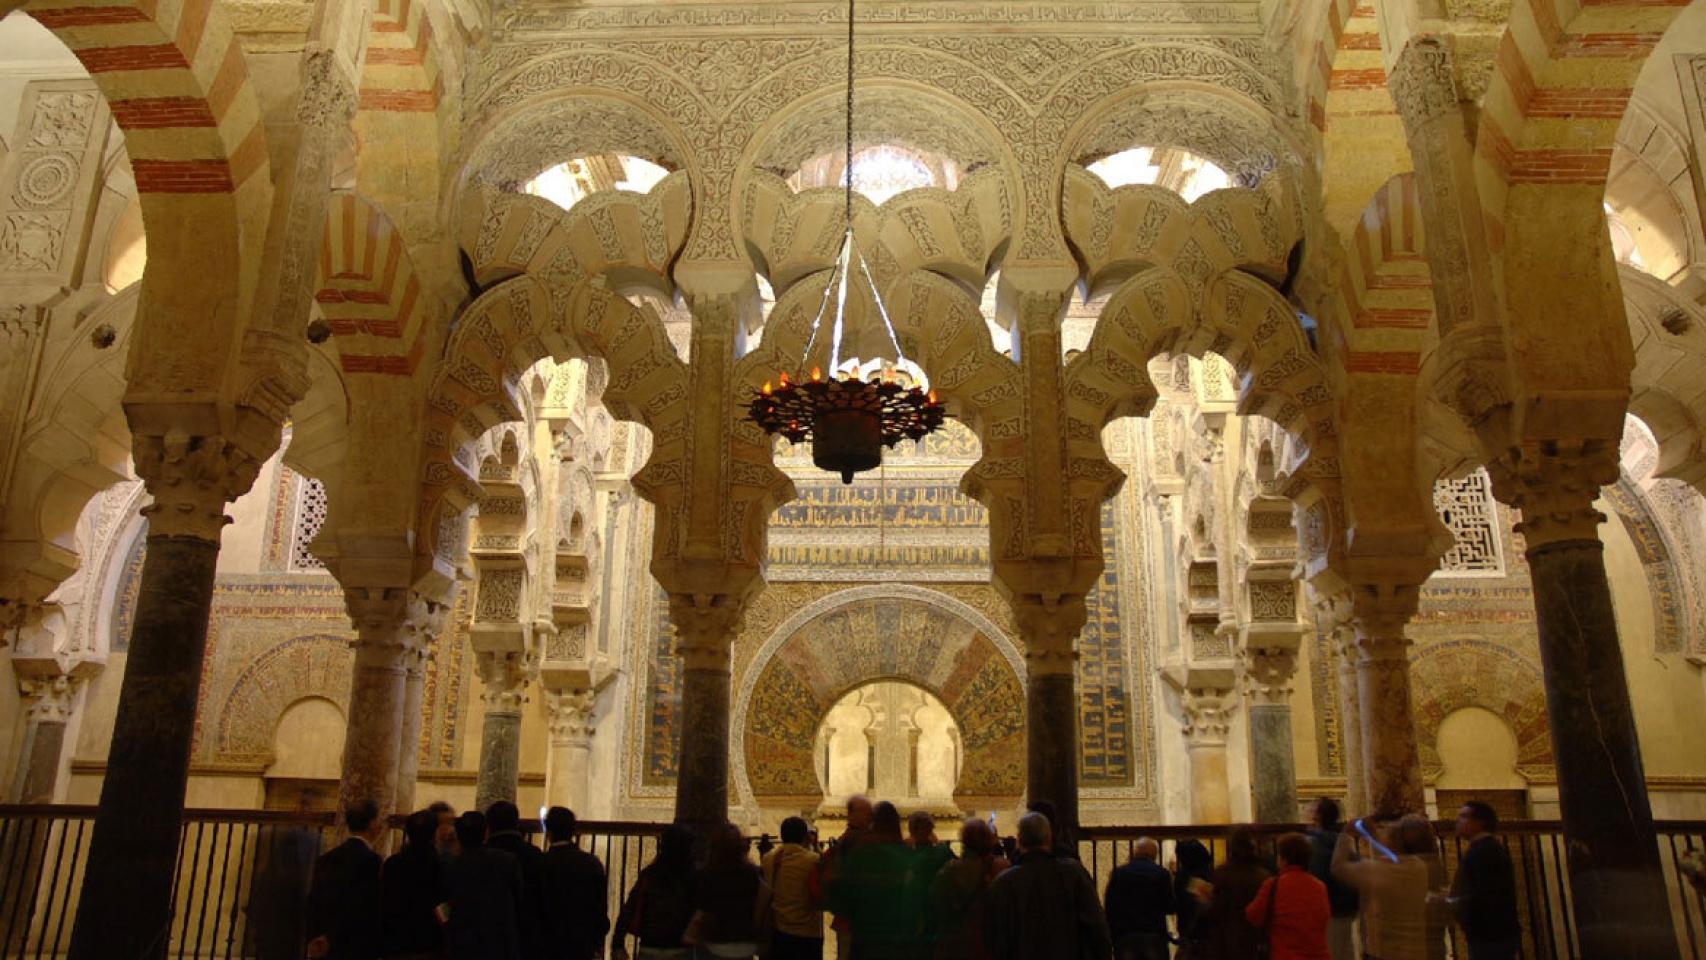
(177, 883)
(224, 875)
(186, 890)
(22, 877)
(206, 889)
(1561, 870)
(52, 885)
(70, 885)
(238, 914)
(9, 847)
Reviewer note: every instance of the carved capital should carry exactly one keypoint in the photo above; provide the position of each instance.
(505, 677)
(328, 96)
(1555, 483)
(570, 715)
(1208, 714)
(705, 628)
(1423, 84)
(1049, 628)
(191, 480)
(1379, 612)
(48, 699)
(1268, 674)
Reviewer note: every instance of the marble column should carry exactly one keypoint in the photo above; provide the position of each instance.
(48, 697)
(1208, 720)
(505, 676)
(1049, 632)
(1268, 672)
(1392, 761)
(126, 899)
(383, 619)
(1350, 724)
(1617, 886)
(429, 626)
(568, 780)
(705, 628)
(409, 737)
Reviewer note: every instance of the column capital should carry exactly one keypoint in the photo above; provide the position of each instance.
(1270, 665)
(191, 479)
(1048, 630)
(49, 698)
(1422, 81)
(571, 714)
(1208, 714)
(1555, 483)
(505, 675)
(705, 628)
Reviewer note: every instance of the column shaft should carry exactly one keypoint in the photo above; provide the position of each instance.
(1273, 771)
(1392, 763)
(409, 742)
(1616, 879)
(567, 782)
(38, 761)
(126, 901)
(1350, 736)
(1211, 802)
(500, 757)
(375, 719)
(1051, 743)
(702, 781)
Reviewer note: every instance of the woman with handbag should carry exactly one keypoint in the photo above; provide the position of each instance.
(659, 907)
(1292, 909)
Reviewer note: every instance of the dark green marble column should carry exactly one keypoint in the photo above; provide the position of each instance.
(1617, 886)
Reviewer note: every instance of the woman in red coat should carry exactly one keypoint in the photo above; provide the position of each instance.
(1292, 907)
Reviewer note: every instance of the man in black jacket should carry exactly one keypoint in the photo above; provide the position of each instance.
(577, 893)
(1484, 890)
(411, 890)
(504, 822)
(343, 902)
(1044, 906)
(484, 887)
(1139, 900)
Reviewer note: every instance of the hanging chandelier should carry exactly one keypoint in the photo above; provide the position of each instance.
(859, 409)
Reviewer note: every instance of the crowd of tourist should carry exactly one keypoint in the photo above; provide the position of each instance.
(472, 887)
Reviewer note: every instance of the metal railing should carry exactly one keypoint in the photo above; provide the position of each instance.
(241, 879)
(1538, 853)
(242, 875)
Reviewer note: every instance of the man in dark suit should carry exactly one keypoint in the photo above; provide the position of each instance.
(484, 887)
(1044, 905)
(411, 890)
(1138, 902)
(343, 902)
(1484, 890)
(504, 822)
(577, 893)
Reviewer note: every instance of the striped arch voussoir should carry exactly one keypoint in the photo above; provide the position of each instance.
(1559, 91)
(368, 290)
(178, 85)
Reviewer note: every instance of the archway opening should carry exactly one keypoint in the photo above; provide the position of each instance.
(892, 741)
(880, 171)
(1173, 168)
(572, 181)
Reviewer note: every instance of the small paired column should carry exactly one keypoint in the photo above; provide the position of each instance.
(1617, 886)
(429, 626)
(1391, 759)
(49, 691)
(388, 639)
(505, 676)
(1049, 631)
(1209, 699)
(705, 628)
(1270, 664)
(570, 772)
(126, 898)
